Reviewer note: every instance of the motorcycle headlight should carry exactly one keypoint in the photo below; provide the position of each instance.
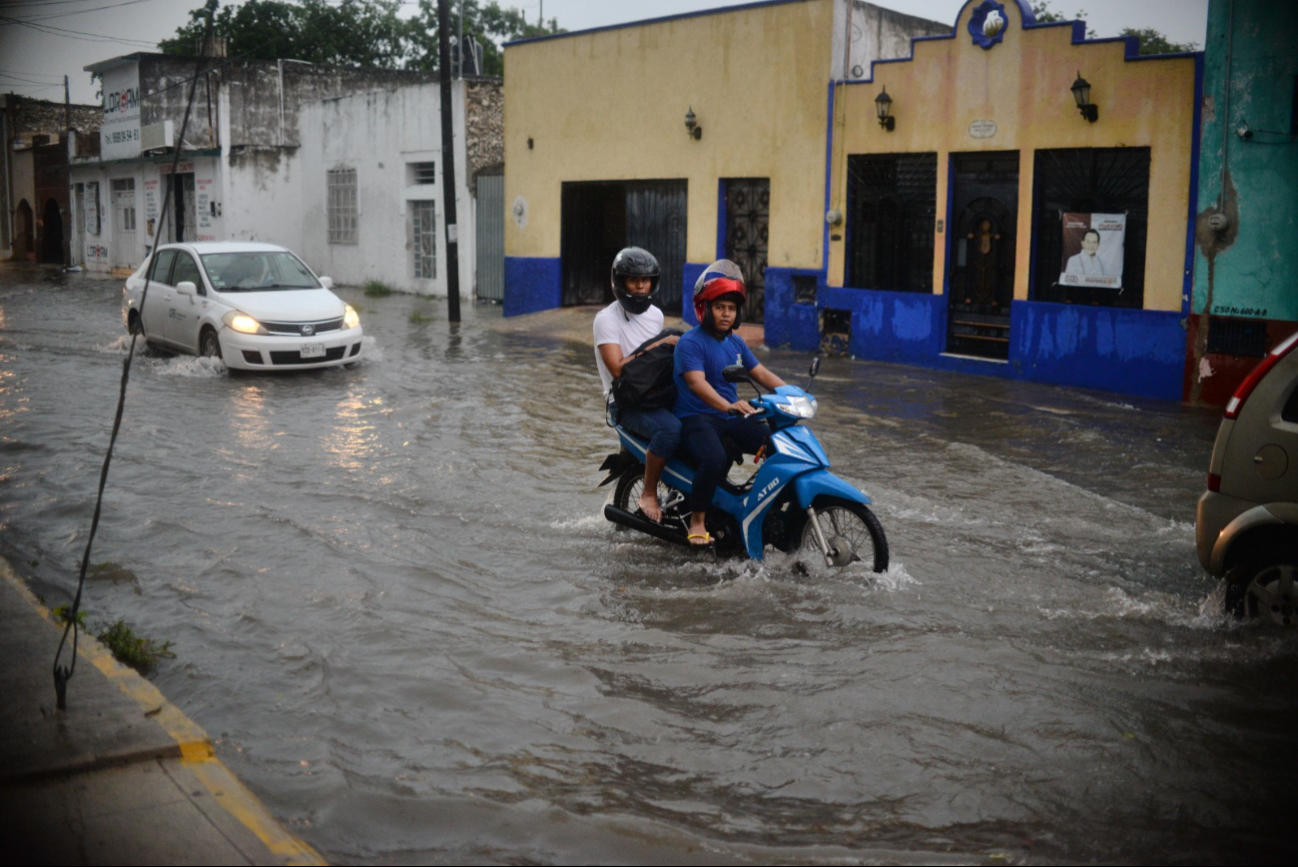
(351, 319)
(243, 323)
(798, 406)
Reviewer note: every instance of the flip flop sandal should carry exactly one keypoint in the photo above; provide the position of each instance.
(707, 537)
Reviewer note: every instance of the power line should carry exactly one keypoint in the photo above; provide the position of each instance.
(51, 30)
(84, 11)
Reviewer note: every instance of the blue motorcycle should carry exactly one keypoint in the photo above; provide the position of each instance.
(792, 502)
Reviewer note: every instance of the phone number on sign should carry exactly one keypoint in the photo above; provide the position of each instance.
(1228, 310)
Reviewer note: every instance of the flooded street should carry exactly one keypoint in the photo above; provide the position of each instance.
(397, 608)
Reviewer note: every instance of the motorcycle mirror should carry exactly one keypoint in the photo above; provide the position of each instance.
(815, 367)
(736, 373)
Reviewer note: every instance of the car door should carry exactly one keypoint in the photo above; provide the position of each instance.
(183, 309)
(157, 299)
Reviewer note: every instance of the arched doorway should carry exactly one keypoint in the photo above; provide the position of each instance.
(52, 238)
(23, 223)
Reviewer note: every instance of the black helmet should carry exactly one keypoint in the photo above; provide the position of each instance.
(634, 262)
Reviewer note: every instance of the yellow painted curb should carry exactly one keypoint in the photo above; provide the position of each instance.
(195, 746)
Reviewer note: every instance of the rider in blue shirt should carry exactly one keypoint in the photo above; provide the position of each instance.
(708, 406)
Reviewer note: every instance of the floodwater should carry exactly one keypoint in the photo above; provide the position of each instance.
(396, 608)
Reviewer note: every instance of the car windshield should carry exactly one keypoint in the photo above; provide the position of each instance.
(258, 272)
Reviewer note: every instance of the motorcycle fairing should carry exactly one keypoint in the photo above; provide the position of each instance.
(674, 474)
(811, 485)
(800, 444)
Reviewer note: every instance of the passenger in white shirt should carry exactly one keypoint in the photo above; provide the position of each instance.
(620, 328)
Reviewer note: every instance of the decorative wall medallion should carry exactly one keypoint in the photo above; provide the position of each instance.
(982, 128)
(987, 24)
(520, 212)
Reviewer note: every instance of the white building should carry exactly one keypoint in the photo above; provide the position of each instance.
(341, 165)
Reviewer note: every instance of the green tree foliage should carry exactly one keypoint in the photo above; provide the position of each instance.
(367, 33)
(1151, 41)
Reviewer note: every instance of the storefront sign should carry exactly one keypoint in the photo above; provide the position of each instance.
(119, 135)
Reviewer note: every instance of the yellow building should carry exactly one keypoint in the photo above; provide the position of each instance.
(598, 154)
(987, 224)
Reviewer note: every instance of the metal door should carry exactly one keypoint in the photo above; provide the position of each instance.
(980, 261)
(490, 237)
(748, 227)
(655, 220)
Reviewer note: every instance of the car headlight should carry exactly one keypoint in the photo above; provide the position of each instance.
(243, 323)
(351, 319)
(798, 406)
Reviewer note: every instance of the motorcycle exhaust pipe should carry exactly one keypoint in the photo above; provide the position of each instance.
(643, 524)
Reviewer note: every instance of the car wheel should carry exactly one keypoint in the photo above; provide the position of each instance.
(209, 345)
(852, 531)
(1262, 586)
(133, 325)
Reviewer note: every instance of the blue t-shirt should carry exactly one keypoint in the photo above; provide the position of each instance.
(699, 350)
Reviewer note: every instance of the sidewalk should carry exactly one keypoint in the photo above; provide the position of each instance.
(120, 776)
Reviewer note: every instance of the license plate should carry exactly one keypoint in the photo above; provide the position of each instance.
(313, 350)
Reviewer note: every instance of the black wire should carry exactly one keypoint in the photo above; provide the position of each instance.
(62, 674)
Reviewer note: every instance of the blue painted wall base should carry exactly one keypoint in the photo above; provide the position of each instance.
(532, 284)
(1138, 352)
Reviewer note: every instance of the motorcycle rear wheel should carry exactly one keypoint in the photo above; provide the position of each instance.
(630, 485)
(851, 529)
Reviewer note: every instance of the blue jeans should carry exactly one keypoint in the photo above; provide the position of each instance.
(703, 440)
(659, 426)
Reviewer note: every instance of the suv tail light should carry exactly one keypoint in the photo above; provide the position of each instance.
(1250, 382)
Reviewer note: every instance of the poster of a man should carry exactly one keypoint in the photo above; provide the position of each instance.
(1092, 250)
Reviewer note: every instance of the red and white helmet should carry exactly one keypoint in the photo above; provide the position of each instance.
(719, 279)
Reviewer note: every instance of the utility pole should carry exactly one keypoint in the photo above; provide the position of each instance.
(448, 164)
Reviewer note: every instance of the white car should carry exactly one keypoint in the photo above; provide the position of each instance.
(255, 306)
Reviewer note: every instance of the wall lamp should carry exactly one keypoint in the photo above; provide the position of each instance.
(883, 107)
(1082, 93)
(692, 128)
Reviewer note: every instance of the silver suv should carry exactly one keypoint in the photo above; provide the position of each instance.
(1247, 523)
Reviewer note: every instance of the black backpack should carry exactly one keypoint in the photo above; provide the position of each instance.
(646, 381)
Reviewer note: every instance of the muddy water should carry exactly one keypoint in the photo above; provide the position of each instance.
(396, 607)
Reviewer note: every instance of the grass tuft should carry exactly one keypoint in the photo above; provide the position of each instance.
(377, 289)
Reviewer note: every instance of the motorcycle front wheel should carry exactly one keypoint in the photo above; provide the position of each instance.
(853, 532)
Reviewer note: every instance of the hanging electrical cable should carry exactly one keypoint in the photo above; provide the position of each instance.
(63, 673)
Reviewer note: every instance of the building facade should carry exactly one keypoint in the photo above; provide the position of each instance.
(599, 154)
(38, 139)
(322, 160)
(994, 226)
(1246, 273)
(987, 224)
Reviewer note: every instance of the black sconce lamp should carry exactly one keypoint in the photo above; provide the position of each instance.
(883, 107)
(692, 128)
(1082, 93)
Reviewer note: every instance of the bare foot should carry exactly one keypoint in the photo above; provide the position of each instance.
(649, 505)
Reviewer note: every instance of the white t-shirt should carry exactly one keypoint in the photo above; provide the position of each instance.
(614, 325)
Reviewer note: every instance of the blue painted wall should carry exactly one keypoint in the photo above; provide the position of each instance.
(532, 284)
(689, 277)
(1130, 351)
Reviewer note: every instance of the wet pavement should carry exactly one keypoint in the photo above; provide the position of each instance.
(398, 611)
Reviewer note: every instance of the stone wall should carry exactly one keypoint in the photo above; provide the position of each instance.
(484, 108)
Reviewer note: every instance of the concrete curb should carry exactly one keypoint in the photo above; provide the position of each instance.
(192, 750)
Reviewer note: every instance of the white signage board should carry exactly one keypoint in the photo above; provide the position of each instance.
(120, 134)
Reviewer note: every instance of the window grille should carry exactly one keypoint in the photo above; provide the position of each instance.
(342, 206)
(423, 216)
(891, 211)
(422, 174)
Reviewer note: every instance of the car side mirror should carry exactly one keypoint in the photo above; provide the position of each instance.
(185, 287)
(736, 373)
(327, 282)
